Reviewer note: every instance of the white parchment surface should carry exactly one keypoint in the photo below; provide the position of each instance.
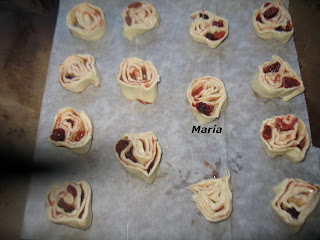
(127, 208)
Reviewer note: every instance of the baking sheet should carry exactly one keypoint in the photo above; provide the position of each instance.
(127, 208)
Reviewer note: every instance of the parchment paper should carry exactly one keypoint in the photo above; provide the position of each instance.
(127, 208)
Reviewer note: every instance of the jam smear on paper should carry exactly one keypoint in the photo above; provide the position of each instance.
(214, 172)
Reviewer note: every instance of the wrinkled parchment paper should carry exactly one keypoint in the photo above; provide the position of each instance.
(127, 208)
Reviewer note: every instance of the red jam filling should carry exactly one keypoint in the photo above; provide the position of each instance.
(288, 27)
(272, 68)
(72, 190)
(217, 23)
(121, 145)
(258, 18)
(79, 136)
(70, 76)
(70, 121)
(58, 134)
(150, 167)
(270, 12)
(130, 156)
(196, 92)
(215, 36)
(267, 132)
(128, 20)
(204, 108)
(204, 16)
(135, 5)
(280, 124)
(266, 4)
(289, 82)
(292, 211)
(66, 207)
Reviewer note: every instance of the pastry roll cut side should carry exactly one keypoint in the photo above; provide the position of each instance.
(276, 78)
(77, 72)
(272, 21)
(140, 154)
(294, 200)
(138, 18)
(138, 80)
(69, 203)
(208, 28)
(214, 198)
(285, 135)
(207, 98)
(73, 130)
(87, 22)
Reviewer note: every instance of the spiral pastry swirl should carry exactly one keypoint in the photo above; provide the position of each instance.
(272, 21)
(69, 203)
(139, 154)
(138, 80)
(207, 98)
(73, 130)
(208, 28)
(285, 135)
(214, 198)
(294, 200)
(87, 22)
(77, 72)
(276, 78)
(138, 18)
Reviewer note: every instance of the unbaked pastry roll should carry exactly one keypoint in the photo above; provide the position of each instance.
(276, 78)
(214, 198)
(73, 130)
(138, 80)
(138, 18)
(69, 203)
(207, 98)
(285, 135)
(272, 21)
(139, 154)
(77, 72)
(294, 200)
(87, 22)
(208, 28)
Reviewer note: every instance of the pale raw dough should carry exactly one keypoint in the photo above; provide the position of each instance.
(77, 72)
(208, 28)
(272, 84)
(270, 23)
(207, 92)
(138, 18)
(64, 205)
(77, 128)
(294, 200)
(214, 198)
(140, 154)
(87, 22)
(290, 141)
(138, 80)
